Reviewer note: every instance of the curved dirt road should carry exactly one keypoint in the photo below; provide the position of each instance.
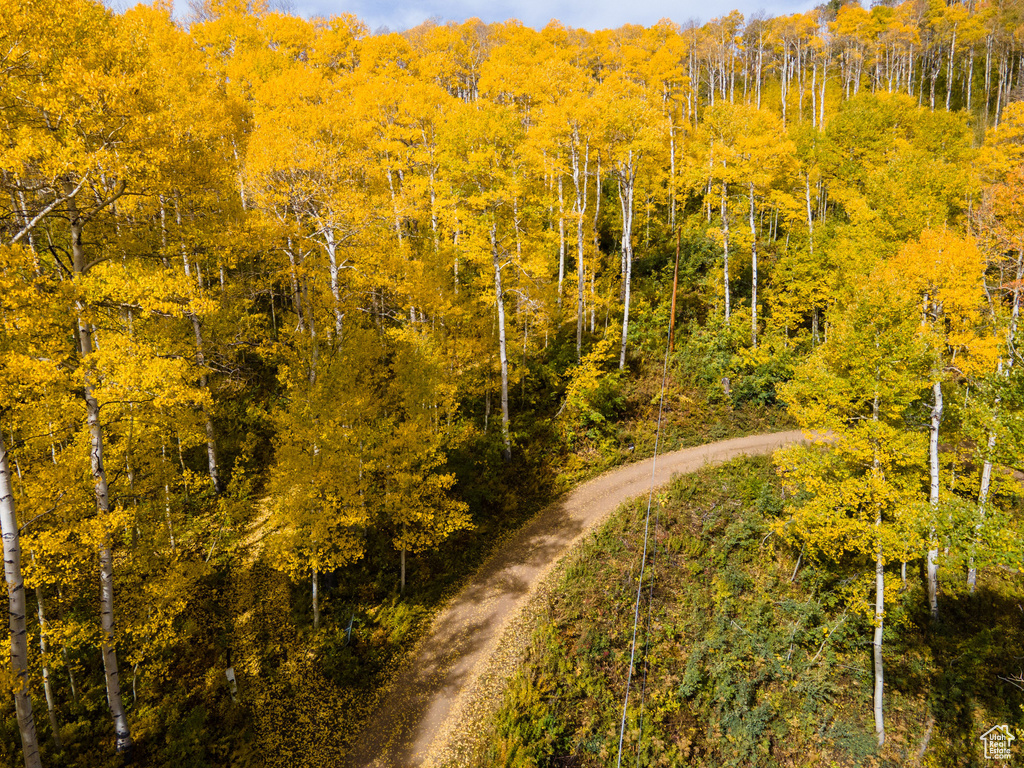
(437, 699)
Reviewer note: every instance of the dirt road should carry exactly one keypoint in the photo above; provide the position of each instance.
(437, 704)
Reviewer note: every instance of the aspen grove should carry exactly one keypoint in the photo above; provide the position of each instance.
(282, 301)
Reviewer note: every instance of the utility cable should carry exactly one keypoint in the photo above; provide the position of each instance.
(643, 559)
(646, 658)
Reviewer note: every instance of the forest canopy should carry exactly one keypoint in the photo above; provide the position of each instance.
(284, 302)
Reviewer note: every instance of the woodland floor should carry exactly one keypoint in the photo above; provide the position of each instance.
(442, 696)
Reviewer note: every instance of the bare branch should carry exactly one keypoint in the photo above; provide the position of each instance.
(57, 201)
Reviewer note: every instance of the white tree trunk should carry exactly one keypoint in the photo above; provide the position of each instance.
(933, 465)
(561, 238)
(579, 178)
(821, 100)
(970, 76)
(672, 169)
(499, 299)
(316, 598)
(122, 733)
(877, 639)
(167, 498)
(332, 255)
(986, 482)
(394, 203)
(949, 71)
(814, 95)
(626, 177)
(879, 667)
(753, 265)
(760, 55)
(986, 471)
(725, 247)
(44, 650)
(16, 614)
(810, 218)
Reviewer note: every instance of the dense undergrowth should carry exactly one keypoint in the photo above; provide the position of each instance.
(747, 658)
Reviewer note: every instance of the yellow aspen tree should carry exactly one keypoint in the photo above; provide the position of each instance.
(853, 31)
(1000, 226)
(483, 161)
(945, 272)
(411, 494)
(10, 531)
(631, 139)
(90, 169)
(17, 609)
(319, 476)
(763, 164)
(860, 473)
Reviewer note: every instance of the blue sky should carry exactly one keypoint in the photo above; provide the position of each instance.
(596, 14)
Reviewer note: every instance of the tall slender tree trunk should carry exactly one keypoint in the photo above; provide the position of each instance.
(167, 497)
(879, 667)
(725, 246)
(394, 203)
(671, 168)
(296, 292)
(814, 95)
(122, 732)
(594, 234)
(988, 76)
(970, 75)
(999, 88)
(16, 608)
(332, 256)
(44, 650)
(675, 287)
(499, 300)
(561, 237)
(455, 243)
(933, 465)
(753, 266)
(316, 596)
(986, 470)
(782, 81)
(949, 71)
(810, 247)
(579, 177)
(821, 100)
(986, 481)
(626, 178)
(810, 217)
(935, 69)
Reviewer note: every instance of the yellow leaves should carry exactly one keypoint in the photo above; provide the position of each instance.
(142, 291)
(1008, 136)
(586, 375)
(854, 23)
(363, 448)
(946, 272)
(741, 145)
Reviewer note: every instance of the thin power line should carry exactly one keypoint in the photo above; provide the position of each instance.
(643, 559)
(647, 630)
